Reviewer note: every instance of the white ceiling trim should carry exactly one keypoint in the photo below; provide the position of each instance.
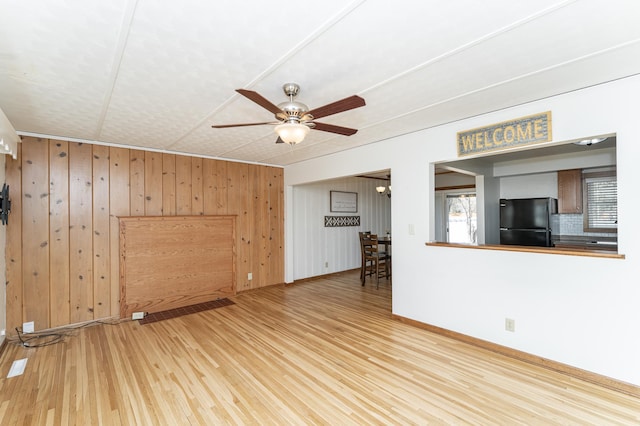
(123, 37)
(471, 44)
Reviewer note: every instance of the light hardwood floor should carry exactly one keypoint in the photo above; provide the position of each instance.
(319, 352)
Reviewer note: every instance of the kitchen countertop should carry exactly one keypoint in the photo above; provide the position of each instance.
(586, 242)
(568, 251)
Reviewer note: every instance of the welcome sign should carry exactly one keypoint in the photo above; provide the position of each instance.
(508, 134)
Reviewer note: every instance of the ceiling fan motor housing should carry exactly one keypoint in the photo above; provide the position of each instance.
(294, 111)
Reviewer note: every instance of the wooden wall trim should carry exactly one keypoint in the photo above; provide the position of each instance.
(575, 372)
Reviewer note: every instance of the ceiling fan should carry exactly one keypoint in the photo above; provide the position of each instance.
(295, 119)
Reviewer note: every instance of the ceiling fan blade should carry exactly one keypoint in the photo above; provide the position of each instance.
(260, 100)
(222, 126)
(345, 104)
(346, 131)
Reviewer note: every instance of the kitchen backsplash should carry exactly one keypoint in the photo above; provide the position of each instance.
(572, 224)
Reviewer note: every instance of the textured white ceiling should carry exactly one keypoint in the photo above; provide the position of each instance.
(157, 74)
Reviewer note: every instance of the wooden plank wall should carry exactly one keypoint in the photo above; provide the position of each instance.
(62, 236)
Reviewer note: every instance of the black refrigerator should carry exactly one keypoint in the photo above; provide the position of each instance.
(527, 221)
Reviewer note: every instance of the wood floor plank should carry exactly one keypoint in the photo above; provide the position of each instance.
(326, 351)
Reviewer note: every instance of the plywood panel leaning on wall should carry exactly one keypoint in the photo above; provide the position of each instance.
(171, 262)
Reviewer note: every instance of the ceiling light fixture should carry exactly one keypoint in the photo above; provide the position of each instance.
(589, 142)
(382, 190)
(292, 132)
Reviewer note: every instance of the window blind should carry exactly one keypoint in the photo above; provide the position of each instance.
(602, 202)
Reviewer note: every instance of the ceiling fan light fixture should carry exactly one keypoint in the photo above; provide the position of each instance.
(381, 189)
(295, 119)
(292, 133)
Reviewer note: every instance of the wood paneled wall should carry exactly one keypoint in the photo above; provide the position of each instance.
(62, 236)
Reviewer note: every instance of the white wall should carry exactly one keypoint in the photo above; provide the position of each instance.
(338, 247)
(539, 185)
(454, 179)
(580, 311)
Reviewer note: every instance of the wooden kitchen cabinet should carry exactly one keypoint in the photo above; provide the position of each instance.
(570, 191)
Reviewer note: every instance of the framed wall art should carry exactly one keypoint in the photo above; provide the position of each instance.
(344, 202)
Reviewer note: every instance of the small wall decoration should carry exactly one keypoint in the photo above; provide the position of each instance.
(344, 202)
(336, 221)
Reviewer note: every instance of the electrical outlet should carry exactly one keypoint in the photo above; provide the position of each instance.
(249, 276)
(28, 327)
(3, 332)
(510, 324)
(137, 315)
(326, 264)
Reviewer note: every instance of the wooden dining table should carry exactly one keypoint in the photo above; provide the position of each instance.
(386, 241)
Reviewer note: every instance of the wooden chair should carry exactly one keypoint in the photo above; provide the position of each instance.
(361, 235)
(375, 262)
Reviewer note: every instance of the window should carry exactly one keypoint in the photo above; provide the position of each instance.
(461, 218)
(600, 201)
